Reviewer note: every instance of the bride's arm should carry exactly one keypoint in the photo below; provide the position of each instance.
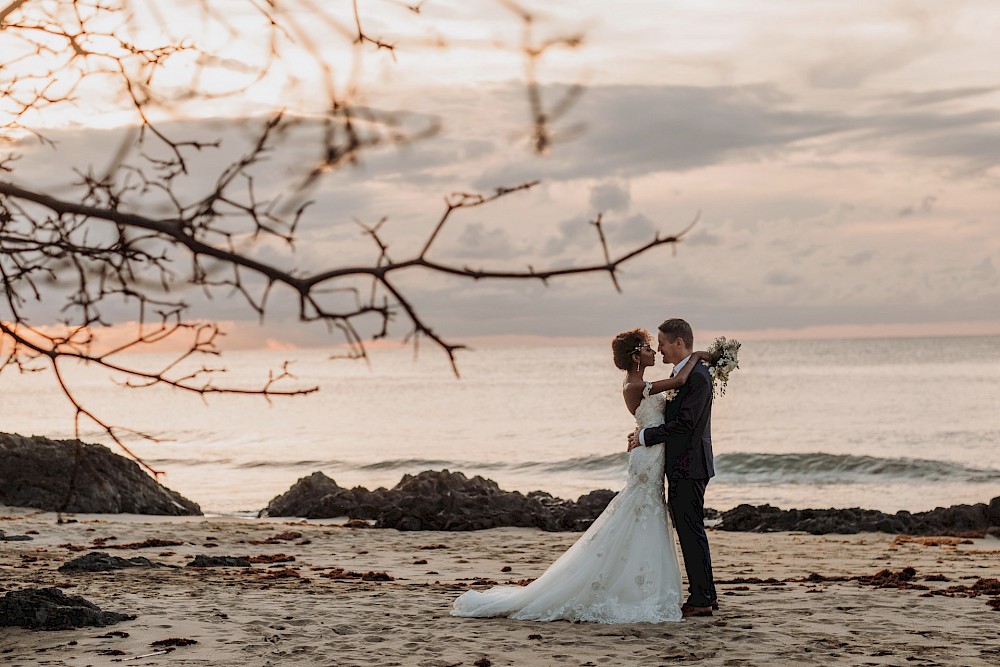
(678, 380)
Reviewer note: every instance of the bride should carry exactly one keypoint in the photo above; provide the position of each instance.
(624, 569)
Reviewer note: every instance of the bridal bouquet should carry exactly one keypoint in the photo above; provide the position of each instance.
(725, 359)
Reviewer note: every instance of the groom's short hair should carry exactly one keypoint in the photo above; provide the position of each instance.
(677, 328)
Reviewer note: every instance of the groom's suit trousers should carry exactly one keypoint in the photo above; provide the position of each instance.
(686, 501)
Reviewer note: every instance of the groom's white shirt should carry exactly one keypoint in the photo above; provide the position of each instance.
(677, 369)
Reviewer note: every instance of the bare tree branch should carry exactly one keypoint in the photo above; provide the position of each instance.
(161, 217)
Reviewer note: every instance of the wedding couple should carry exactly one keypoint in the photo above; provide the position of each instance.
(624, 569)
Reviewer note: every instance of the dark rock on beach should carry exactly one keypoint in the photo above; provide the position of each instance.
(961, 520)
(99, 561)
(452, 501)
(174, 641)
(201, 560)
(993, 511)
(576, 516)
(4, 537)
(36, 472)
(438, 500)
(444, 500)
(51, 609)
(319, 497)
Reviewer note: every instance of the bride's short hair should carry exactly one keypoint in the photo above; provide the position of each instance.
(628, 343)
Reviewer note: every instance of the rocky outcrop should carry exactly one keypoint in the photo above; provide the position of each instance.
(443, 500)
(963, 520)
(36, 472)
(51, 609)
(319, 497)
(451, 501)
(993, 511)
(438, 500)
(577, 516)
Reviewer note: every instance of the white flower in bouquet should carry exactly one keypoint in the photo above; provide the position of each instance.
(724, 360)
(669, 395)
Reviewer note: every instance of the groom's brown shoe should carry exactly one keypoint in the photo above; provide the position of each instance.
(688, 610)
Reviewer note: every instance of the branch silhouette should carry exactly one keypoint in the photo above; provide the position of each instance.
(164, 217)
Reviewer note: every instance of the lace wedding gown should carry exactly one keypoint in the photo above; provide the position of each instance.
(624, 569)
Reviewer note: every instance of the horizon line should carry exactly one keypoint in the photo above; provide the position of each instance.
(240, 335)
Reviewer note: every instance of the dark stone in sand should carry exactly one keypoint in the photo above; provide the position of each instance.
(438, 500)
(14, 538)
(51, 609)
(174, 641)
(955, 520)
(36, 472)
(341, 573)
(149, 543)
(99, 561)
(889, 579)
(201, 560)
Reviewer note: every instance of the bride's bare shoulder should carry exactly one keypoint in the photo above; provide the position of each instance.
(632, 393)
(633, 388)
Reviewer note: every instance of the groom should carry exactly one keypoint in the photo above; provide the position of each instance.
(687, 439)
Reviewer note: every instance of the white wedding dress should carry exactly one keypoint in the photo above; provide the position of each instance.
(624, 569)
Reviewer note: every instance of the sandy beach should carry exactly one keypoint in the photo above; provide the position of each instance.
(306, 611)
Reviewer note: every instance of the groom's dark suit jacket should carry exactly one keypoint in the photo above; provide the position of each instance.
(687, 429)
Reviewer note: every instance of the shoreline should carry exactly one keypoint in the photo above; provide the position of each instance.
(293, 612)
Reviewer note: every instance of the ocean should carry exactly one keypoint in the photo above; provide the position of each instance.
(889, 424)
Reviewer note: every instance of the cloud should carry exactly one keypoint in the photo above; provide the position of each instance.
(850, 68)
(976, 149)
(927, 122)
(782, 278)
(859, 258)
(875, 42)
(912, 99)
(632, 132)
(638, 130)
(634, 230)
(478, 242)
(702, 237)
(610, 197)
(753, 158)
(926, 205)
(574, 233)
(985, 272)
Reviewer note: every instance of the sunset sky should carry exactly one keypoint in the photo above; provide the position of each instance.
(843, 158)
